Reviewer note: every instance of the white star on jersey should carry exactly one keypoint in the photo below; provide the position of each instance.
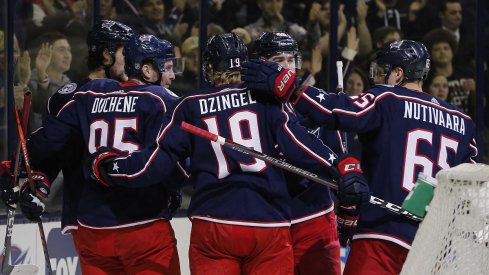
(116, 167)
(321, 97)
(331, 157)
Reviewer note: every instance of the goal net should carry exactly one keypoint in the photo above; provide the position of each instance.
(454, 235)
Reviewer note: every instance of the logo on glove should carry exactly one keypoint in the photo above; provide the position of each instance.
(284, 80)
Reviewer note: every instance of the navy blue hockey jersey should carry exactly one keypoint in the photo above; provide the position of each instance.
(230, 187)
(402, 132)
(68, 160)
(315, 200)
(123, 117)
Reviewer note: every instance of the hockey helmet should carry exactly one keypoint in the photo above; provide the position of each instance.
(269, 44)
(224, 52)
(145, 47)
(409, 55)
(108, 34)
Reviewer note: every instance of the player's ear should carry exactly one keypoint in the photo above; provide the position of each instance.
(399, 73)
(147, 72)
(108, 59)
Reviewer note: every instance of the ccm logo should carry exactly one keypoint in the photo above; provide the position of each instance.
(352, 167)
(345, 222)
(284, 80)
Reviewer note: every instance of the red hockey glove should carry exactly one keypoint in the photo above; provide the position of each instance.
(271, 78)
(32, 207)
(99, 163)
(353, 188)
(346, 219)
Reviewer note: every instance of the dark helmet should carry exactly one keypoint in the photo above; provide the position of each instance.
(224, 52)
(108, 34)
(146, 47)
(269, 44)
(410, 55)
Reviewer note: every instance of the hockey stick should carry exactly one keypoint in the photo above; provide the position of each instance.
(33, 190)
(339, 72)
(291, 168)
(7, 268)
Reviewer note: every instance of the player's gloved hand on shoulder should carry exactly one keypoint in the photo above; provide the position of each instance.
(32, 207)
(99, 163)
(353, 188)
(269, 77)
(346, 219)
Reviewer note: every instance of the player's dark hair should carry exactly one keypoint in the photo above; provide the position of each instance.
(106, 34)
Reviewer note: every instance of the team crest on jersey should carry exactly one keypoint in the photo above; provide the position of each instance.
(68, 88)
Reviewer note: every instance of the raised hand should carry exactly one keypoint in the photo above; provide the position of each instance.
(43, 59)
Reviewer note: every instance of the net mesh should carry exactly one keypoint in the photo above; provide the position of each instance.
(454, 236)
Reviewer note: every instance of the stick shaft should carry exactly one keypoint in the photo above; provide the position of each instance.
(33, 190)
(6, 267)
(289, 167)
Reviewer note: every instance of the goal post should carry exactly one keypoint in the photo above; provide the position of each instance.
(453, 238)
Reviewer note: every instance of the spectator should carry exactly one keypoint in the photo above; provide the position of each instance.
(399, 14)
(461, 84)
(437, 86)
(53, 59)
(451, 19)
(271, 19)
(152, 21)
(23, 74)
(356, 82)
(381, 36)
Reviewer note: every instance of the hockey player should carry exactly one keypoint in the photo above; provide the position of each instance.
(120, 230)
(105, 60)
(240, 208)
(313, 230)
(403, 131)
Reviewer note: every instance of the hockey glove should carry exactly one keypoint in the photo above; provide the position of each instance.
(346, 218)
(353, 188)
(270, 77)
(99, 163)
(41, 183)
(174, 201)
(32, 207)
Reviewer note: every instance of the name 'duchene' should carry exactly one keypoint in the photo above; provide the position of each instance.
(120, 104)
(413, 110)
(225, 101)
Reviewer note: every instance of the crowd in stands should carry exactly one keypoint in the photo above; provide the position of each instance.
(50, 47)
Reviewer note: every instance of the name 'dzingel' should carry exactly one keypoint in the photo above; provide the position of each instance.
(121, 104)
(225, 101)
(413, 110)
